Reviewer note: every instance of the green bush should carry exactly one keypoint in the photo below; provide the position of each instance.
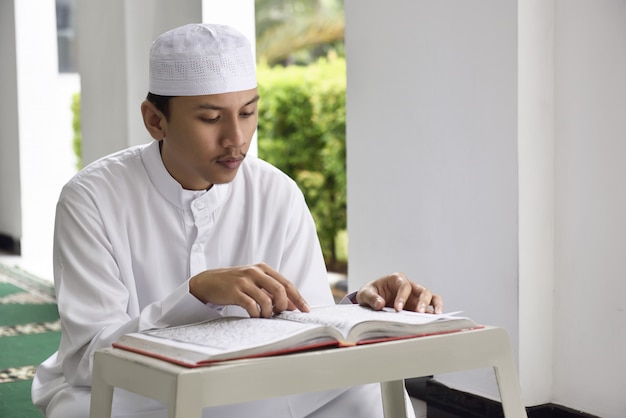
(77, 141)
(302, 131)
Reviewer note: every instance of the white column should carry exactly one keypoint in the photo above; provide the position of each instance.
(432, 154)
(115, 38)
(536, 138)
(590, 206)
(240, 15)
(37, 72)
(10, 190)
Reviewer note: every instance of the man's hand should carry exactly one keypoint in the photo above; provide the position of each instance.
(259, 289)
(398, 292)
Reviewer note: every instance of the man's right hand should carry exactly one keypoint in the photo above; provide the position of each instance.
(258, 288)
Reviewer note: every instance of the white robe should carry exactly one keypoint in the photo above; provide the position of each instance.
(127, 239)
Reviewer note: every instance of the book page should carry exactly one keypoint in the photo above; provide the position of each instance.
(229, 334)
(345, 317)
(238, 337)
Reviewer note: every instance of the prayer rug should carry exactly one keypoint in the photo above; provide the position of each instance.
(29, 333)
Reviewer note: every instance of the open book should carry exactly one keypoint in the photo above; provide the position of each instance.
(230, 338)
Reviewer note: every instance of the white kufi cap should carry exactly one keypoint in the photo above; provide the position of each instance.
(199, 59)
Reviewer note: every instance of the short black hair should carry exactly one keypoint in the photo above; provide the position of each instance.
(160, 102)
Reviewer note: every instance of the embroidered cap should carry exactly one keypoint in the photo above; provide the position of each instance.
(198, 59)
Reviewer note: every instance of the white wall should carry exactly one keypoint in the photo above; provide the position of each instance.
(433, 139)
(432, 154)
(590, 262)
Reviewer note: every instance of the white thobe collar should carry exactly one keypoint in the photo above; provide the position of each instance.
(171, 190)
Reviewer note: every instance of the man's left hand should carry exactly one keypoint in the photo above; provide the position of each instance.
(398, 292)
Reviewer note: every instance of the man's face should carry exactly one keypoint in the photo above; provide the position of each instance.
(207, 137)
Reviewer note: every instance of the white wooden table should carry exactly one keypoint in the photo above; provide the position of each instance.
(187, 391)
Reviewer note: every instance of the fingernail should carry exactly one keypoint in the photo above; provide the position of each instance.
(421, 308)
(400, 306)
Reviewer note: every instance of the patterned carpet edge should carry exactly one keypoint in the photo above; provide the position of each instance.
(36, 291)
(21, 278)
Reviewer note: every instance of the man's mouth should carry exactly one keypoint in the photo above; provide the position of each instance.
(231, 162)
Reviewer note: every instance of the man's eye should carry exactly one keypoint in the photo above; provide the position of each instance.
(209, 120)
(246, 114)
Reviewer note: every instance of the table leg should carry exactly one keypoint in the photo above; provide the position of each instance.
(186, 401)
(101, 392)
(394, 405)
(510, 396)
(508, 383)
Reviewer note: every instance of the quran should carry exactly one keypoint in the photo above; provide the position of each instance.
(229, 338)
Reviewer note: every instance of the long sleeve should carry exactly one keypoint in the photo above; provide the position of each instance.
(96, 299)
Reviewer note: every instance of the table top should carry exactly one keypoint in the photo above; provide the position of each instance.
(392, 352)
(242, 380)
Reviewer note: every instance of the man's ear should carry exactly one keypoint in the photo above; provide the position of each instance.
(154, 120)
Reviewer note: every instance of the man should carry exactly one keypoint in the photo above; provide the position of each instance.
(188, 228)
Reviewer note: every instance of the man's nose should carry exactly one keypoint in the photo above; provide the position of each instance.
(233, 134)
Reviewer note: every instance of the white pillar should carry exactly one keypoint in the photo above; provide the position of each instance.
(115, 39)
(10, 190)
(590, 203)
(37, 72)
(536, 136)
(240, 15)
(432, 154)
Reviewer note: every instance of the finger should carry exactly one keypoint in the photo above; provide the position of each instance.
(256, 302)
(248, 303)
(275, 291)
(288, 297)
(292, 307)
(424, 299)
(295, 299)
(249, 294)
(437, 304)
(403, 292)
(278, 307)
(282, 303)
(368, 296)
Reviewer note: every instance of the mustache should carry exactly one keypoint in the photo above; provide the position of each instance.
(231, 157)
